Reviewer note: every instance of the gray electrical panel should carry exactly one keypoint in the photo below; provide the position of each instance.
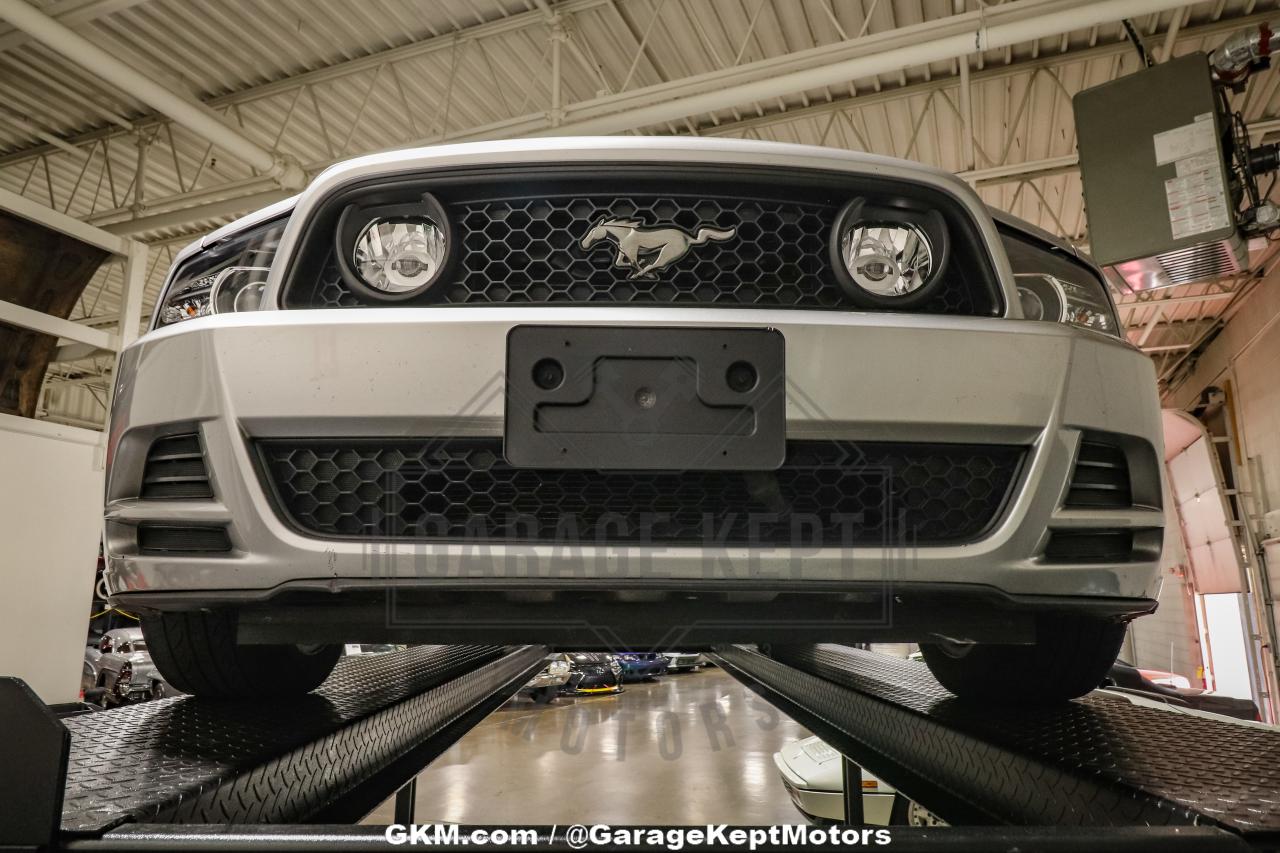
(1155, 175)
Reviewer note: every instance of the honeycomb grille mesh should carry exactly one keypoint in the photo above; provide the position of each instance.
(827, 493)
(528, 251)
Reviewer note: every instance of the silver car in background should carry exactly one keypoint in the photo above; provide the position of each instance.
(125, 670)
(545, 686)
(684, 661)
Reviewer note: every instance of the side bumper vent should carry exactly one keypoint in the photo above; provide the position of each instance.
(176, 468)
(1101, 475)
(1089, 546)
(173, 539)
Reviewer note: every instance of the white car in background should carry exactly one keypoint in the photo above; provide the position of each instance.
(684, 661)
(812, 774)
(657, 373)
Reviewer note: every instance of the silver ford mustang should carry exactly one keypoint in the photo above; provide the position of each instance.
(646, 393)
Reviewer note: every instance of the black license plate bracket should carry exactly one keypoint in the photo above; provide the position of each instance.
(628, 398)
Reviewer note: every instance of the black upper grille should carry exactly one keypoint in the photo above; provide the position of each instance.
(175, 468)
(1101, 475)
(527, 250)
(827, 493)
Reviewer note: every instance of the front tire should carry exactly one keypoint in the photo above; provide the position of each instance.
(197, 653)
(1070, 657)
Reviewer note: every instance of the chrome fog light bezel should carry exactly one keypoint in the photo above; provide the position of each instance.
(357, 219)
(927, 222)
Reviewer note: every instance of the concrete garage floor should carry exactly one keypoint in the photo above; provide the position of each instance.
(689, 748)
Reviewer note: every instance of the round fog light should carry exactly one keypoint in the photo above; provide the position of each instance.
(394, 252)
(889, 256)
(399, 255)
(887, 260)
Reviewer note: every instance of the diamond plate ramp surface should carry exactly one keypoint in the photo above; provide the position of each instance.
(188, 760)
(1100, 760)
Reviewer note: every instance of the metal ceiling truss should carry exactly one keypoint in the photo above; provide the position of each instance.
(381, 101)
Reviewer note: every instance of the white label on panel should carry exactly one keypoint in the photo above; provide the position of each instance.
(1196, 200)
(1185, 141)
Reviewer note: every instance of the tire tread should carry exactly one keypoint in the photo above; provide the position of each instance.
(197, 653)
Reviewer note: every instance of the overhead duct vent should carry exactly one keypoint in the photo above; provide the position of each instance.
(1203, 262)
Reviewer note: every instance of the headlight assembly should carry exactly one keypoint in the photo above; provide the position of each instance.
(394, 252)
(228, 276)
(1057, 286)
(1044, 297)
(228, 290)
(889, 256)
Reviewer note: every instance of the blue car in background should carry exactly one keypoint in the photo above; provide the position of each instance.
(637, 666)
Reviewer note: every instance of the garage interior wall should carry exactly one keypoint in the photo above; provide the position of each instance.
(1247, 353)
(1169, 639)
(50, 524)
(1245, 356)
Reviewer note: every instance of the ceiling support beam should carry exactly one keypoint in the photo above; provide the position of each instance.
(1171, 36)
(191, 114)
(25, 208)
(178, 217)
(537, 17)
(38, 321)
(939, 40)
(991, 73)
(558, 31)
(966, 103)
(445, 42)
(1150, 327)
(71, 13)
(1176, 300)
(9, 117)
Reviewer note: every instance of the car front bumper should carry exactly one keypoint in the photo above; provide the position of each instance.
(546, 679)
(592, 682)
(433, 371)
(826, 806)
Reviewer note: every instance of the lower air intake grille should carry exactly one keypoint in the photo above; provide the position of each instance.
(827, 493)
(175, 468)
(166, 539)
(1089, 546)
(1101, 475)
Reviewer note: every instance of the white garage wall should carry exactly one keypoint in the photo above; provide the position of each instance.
(1167, 639)
(1250, 344)
(1258, 400)
(51, 488)
(1246, 356)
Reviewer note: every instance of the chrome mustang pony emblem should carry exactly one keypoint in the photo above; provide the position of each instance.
(647, 250)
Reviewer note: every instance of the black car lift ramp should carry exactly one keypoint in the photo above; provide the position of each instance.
(1133, 774)
(195, 774)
